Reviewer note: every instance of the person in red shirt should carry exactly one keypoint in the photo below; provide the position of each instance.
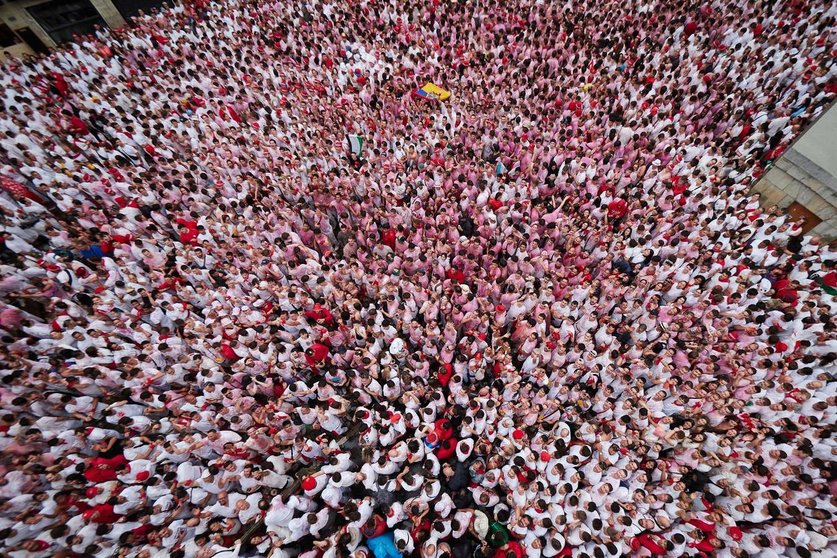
(60, 84)
(645, 540)
(444, 374)
(188, 231)
(18, 191)
(228, 352)
(103, 470)
(320, 314)
(456, 275)
(99, 473)
(388, 238)
(443, 428)
(446, 449)
(786, 291)
(495, 204)
(617, 209)
(511, 549)
(76, 125)
(316, 354)
(101, 513)
(690, 28)
(374, 527)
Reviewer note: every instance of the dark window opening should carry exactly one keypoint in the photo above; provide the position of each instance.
(7, 36)
(131, 8)
(63, 19)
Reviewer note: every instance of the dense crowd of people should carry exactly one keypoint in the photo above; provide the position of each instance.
(546, 317)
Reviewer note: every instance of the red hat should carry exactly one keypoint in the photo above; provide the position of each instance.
(517, 434)
(92, 491)
(143, 475)
(309, 483)
(545, 456)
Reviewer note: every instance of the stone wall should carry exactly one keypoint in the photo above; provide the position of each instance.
(109, 13)
(797, 178)
(16, 51)
(14, 15)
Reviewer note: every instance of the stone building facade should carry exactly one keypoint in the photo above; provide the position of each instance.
(804, 180)
(31, 26)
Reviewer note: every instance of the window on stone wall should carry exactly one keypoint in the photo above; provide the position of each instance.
(7, 36)
(62, 19)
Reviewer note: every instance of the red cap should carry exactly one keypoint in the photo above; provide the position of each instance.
(545, 456)
(517, 434)
(309, 483)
